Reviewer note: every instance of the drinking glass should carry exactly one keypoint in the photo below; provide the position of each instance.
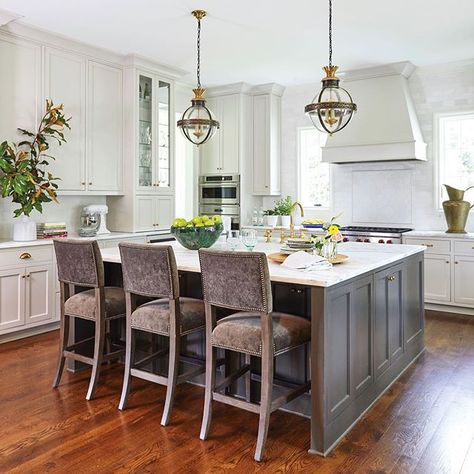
(249, 238)
(233, 240)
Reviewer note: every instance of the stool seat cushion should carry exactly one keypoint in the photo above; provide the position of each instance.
(83, 304)
(155, 316)
(242, 332)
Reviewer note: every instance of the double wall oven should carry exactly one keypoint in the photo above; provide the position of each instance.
(220, 194)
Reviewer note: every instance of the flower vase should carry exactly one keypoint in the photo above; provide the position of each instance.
(24, 229)
(330, 250)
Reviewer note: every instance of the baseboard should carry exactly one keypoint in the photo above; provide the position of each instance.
(14, 336)
(444, 308)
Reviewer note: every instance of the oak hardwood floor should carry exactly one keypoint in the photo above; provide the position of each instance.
(423, 424)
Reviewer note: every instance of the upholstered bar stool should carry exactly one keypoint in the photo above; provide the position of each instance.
(240, 281)
(151, 271)
(80, 265)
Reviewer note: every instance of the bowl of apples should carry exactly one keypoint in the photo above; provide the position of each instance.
(199, 232)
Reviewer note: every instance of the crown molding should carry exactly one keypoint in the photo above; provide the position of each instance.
(402, 68)
(7, 17)
(142, 62)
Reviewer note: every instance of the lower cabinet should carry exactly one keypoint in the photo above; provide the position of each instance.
(437, 278)
(388, 317)
(463, 280)
(26, 296)
(154, 212)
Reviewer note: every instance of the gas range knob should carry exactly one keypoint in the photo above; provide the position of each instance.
(367, 241)
(345, 239)
(358, 240)
(381, 241)
(389, 242)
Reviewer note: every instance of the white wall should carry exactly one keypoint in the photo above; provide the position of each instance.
(385, 193)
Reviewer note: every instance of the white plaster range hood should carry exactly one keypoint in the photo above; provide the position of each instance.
(385, 127)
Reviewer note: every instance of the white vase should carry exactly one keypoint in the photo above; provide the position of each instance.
(271, 221)
(285, 221)
(24, 229)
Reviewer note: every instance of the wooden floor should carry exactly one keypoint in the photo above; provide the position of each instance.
(424, 423)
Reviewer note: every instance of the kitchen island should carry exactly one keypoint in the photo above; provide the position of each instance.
(367, 321)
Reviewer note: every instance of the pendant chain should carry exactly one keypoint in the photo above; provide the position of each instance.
(199, 54)
(330, 32)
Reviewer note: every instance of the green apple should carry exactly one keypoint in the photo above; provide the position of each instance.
(204, 218)
(217, 219)
(197, 220)
(200, 224)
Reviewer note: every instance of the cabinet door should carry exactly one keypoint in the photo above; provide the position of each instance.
(65, 77)
(146, 133)
(164, 212)
(437, 278)
(20, 82)
(463, 280)
(395, 312)
(104, 153)
(12, 298)
(261, 129)
(209, 156)
(229, 134)
(145, 213)
(39, 293)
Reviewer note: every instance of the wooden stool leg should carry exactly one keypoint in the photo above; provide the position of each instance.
(98, 355)
(266, 390)
(129, 355)
(211, 354)
(63, 342)
(173, 369)
(248, 378)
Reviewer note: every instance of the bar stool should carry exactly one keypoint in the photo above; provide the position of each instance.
(151, 271)
(80, 265)
(240, 281)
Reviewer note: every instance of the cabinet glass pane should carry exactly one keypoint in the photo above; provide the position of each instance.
(145, 132)
(163, 134)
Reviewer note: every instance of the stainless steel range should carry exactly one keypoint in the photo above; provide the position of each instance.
(377, 235)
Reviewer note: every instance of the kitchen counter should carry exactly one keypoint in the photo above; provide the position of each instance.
(363, 258)
(437, 234)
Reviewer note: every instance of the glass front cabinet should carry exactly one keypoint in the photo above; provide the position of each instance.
(155, 136)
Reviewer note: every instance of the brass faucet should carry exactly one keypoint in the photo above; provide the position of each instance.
(292, 223)
(268, 236)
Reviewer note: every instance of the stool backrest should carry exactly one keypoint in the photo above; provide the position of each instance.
(79, 262)
(149, 270)
(236, 280)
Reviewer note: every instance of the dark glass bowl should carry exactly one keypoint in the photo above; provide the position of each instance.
(194, 238)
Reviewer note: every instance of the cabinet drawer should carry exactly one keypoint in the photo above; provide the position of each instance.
(26, 256)
(464, 247)
(432, 245)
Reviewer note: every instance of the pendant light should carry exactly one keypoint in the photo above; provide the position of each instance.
(332, 108)
(198, 123)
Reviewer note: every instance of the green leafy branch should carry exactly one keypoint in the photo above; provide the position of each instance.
(23, 175)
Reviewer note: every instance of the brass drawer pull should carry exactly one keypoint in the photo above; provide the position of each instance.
(25, 256)
(296, 290)
(391, 278)
(429, 245)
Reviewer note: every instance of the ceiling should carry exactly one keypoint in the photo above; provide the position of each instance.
(262, 41)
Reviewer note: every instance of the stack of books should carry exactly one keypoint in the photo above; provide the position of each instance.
(51, 230)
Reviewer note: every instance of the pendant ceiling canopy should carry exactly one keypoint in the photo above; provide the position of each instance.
(198, 123)
(332, 108)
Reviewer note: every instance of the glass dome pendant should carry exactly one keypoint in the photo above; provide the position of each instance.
(198, 123)
(332, 108)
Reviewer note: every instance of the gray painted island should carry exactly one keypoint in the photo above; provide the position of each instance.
(367, 322)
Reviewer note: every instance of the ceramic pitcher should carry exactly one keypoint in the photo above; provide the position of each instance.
(456, 210)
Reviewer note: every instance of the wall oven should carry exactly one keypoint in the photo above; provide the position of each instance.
(221, 189)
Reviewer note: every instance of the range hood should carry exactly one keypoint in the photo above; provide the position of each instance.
(385, 127)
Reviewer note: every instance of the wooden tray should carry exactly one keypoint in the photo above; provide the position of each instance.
(281, 257)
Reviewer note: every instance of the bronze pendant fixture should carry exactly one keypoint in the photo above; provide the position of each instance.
(198, 123)
(332, 109)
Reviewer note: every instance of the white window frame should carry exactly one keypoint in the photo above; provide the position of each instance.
(437, 147)
(311, 209)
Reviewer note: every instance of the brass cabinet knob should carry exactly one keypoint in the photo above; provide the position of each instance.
(447, 261)
(90, 184)
(23, 276)
(25, 256)
(83, 183)
(391, 278)
(456, 263)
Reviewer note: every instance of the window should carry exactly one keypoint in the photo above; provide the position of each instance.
(314, 176)
(455, 152)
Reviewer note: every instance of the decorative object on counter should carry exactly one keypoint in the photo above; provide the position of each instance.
(332, 108)
(90, 222)
(24, 165)
(200, 232)
(271, 219)
(198, 123)
(233, 239)
(51, 230)
(102, 210)
(326, 245)
(249, 238)
(284, 209)
(456, 210)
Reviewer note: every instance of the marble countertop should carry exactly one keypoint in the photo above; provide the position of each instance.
(363, 258)
(10, 244)
(437, 234)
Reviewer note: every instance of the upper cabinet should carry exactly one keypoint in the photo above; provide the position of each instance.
(154, 150)
(266, 140)
(221, 154)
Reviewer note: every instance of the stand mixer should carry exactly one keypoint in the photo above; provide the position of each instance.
(94, 221)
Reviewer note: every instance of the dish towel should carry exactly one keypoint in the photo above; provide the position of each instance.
(306, 262)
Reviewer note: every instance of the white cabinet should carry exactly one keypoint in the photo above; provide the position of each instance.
(104, 128)
(464, 280)
(154, 212)
(65, 82)
(266, 144)
(12, 298)
(437, 278)
(221, 154)
(39, 302)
